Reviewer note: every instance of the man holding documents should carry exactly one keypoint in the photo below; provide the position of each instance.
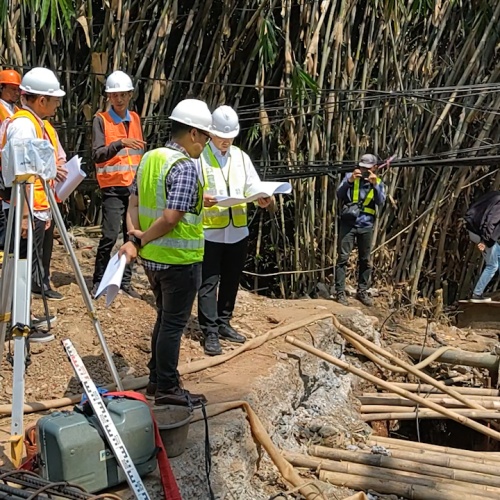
(166, 230)
(117, 149)
(227, 171)
(42, 96)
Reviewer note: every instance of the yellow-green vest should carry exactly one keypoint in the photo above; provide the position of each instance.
(215, 184)
(368, 206)
(185, 243)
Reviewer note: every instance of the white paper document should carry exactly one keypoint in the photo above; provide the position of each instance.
(112, 279)
(75, 177)
(256, 191)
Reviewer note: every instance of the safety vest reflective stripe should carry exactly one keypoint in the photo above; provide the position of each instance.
(368, 200)
(158, 212)
(130, 152)
(220, 217)
(168, 242)
(116, 168)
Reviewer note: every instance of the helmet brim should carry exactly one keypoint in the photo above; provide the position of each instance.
(191, 124)
(55, 93)
(115, 91)
(367, 165)
(225, 135)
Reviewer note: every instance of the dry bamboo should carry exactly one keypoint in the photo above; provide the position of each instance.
(428, 414)
(405, 405)
(390, 442)
(476, 464)
(465, 476)
(392, 487)
(473, 391)
(346, 332)
(439, 484)
(387, 385)
(185, 368)
(394, 399)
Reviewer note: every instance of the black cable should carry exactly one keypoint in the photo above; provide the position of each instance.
(208, 452)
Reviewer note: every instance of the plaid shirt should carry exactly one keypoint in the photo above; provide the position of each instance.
(181, 189)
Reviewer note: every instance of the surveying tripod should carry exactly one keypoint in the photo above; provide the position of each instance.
(15, 298)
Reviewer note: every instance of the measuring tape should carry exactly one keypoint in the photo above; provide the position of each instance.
(101, 412)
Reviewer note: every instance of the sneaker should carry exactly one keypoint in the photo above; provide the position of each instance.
(179, 397)
(364, 298)
(40, 336)
(131, 292)
(342, 299)
(42, 322)
(49, 294)
(151, 390)
(478, 299)
(211, 345)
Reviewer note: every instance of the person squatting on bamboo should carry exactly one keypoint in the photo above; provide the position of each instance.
(165, 223)
(483, 223)
(9, 97)
(117, 149)
(361, 192)
(41, 96)
(227, 171)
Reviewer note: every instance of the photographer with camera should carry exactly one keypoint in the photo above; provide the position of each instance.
(361, 192)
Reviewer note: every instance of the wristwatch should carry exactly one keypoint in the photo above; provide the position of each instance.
(135, 240)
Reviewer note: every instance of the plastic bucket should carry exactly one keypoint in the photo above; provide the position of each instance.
(173, 423)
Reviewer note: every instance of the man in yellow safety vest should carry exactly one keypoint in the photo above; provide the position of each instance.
(228, 171)
(361, 192)
(166, 230)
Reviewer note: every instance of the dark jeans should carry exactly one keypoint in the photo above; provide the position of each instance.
(222, 267)
(362, 237)
(43, 244)
(174, 289)
(114, 213)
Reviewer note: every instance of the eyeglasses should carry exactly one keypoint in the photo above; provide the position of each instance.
(207, 137)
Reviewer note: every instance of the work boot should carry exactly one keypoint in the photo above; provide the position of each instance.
(342, 299)
(478, 299)
(179, 397)
(228, 333)
(131, 292)
(211, 345)
(151, 390)
(364, 298)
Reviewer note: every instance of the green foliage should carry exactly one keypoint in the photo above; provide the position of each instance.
(302, 84)
(267, 44)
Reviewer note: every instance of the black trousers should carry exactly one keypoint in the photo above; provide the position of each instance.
(222, 267)
(43, 244)
(348, 237)
(174, 289)
(114, 214)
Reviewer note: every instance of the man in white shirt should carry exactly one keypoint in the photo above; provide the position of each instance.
(227, 171)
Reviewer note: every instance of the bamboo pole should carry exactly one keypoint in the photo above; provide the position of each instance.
(392, 487)
(465, 476)
(472, 391)
(387, 385)
(476, 464)
(391, 442)
(438, 484)
(385, 397)
(424, 414)
(346, 332)
(405, 405)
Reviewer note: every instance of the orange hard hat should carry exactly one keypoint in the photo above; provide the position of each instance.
(10, 76)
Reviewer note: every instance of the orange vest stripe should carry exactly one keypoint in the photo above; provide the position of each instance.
(40, 201)
(120, 170)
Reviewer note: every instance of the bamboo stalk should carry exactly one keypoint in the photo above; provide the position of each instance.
(439, 485)
(493, 404)
(447, 472)
(387, 385)
(429, 414)
(473, 391)
(392, 486)
(391, 442)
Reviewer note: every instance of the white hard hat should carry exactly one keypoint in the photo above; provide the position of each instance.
(41, 81)
(194, 113)
(225, 122)
(119, 81)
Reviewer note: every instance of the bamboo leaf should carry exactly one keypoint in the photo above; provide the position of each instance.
(82, 20)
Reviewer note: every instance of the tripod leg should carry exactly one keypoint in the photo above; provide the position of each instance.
(6, 282)
(83, 287)
(21, 306)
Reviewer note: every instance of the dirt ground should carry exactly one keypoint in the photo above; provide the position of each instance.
(128, 323)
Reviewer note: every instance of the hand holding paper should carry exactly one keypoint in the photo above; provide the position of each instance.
(74, 177)
(112, 279)
(256, 191)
